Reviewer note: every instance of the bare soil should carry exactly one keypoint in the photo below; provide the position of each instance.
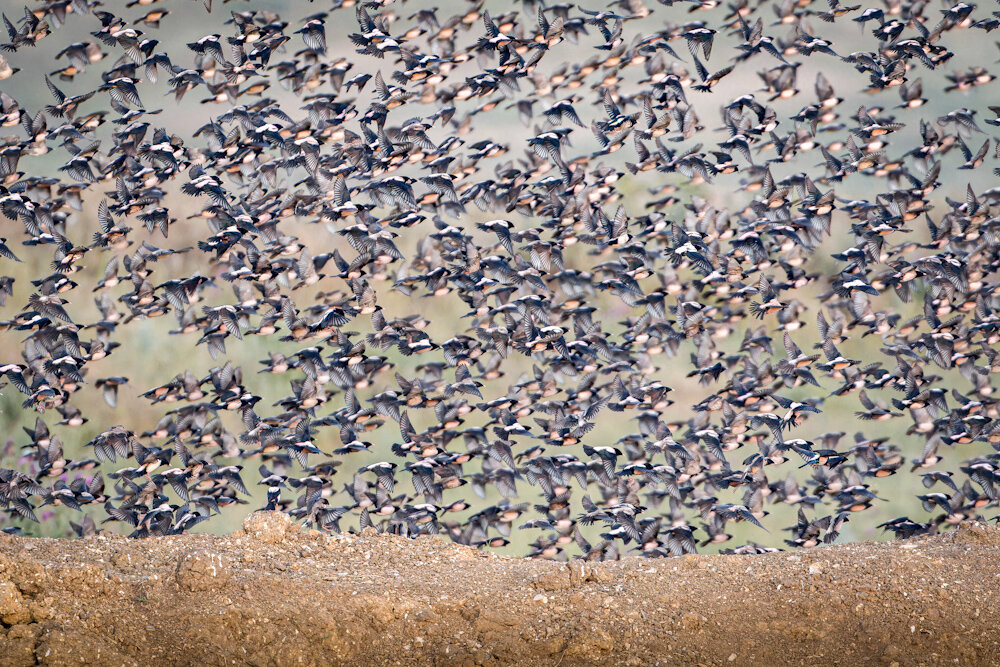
(274, 595)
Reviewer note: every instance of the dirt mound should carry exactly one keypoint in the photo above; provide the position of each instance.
(274, 595)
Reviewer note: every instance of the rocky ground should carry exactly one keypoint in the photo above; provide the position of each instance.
(273, 595)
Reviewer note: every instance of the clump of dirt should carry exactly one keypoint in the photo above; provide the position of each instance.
(976, 533)
(273, 594)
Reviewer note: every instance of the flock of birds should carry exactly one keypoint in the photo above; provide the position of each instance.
(564, 298)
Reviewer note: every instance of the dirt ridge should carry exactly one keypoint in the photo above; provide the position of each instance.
(272, 594)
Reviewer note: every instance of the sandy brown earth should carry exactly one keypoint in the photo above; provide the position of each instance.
(272, 595)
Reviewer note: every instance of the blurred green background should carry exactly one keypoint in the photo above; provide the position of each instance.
(149, 356)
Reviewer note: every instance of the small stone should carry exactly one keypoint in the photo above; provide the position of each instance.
(425, 616)
(202, 570)
(594, 641)
(267, 527)
(599, 575)
(121, 559)
(556, 580)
